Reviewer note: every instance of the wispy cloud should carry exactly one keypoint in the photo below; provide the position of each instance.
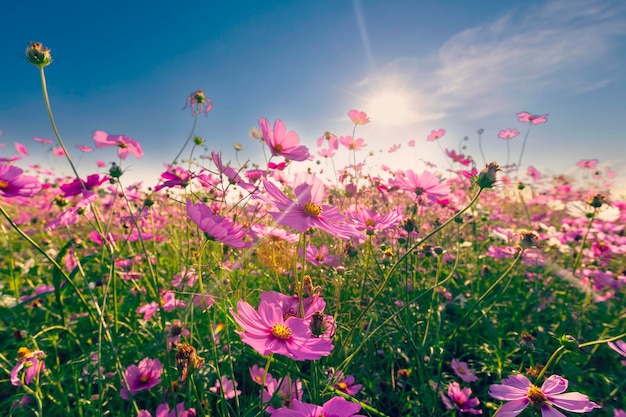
(564, 47)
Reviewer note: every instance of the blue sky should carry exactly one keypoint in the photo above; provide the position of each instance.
(127, 67)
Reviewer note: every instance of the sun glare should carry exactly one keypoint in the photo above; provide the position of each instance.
(391, 108)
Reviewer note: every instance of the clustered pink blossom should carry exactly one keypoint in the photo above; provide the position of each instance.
(32, 363)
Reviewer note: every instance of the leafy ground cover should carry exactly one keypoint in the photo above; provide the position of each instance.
(241, 290)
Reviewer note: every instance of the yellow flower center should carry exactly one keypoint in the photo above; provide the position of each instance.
(319, 257)
(278, 148)
(313, 209)
(342, 386)
(281, 331)
(370, 222)
(536, 396)
(3, 184)
(144, 378)
(23, 352)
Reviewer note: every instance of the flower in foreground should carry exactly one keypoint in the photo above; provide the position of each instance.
(124, 144)
(142, 377)
(460, 399)
(31, 361)
(358, 117)
(13, 183)
(283, 143)
(307, 211)
(335, 407)
(619, 347)
(520, 393)
(267, 331)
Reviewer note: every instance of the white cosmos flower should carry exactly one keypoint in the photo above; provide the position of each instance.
(582, 209)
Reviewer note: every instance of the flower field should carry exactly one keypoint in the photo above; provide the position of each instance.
(240, 289)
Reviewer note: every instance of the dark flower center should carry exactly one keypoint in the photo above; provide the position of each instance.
(536, 396)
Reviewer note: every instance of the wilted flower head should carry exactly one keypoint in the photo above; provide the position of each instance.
(32, 361)
(38, 55)
(198, 103)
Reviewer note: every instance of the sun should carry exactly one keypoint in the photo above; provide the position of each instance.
(391, 108)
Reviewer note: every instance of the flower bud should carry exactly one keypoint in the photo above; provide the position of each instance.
(198, 140)
(38, 55)
(596, 201)
(487, 177)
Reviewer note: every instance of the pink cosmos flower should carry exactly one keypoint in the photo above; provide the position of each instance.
(508, 133)
(587, 163)
(333, 142)
(198, 103)
(460, 399)
(175, 176)
(321, 256)
(327, 152)
(460, 158)
(76, 187)
(58, 151)
(394, 148)
(84, 148)
(352, 144)
(307, 211)
(427, 185)
(435, 134)
(267, 331)
(520, 393)
(345, 384)
(335, 407)
(216, 226)
(462, 371)
(281, 393)
(13, 183)
(370, 222)
(125, 144)
(619, 347)
(43, 140)
(163, 410)
(283, 143)
(619, 413)
(289, 304)
(226, 387)
(533, 173)
(411, 143)
(72, 215)
(526, 117)
(21, 149)
(32, 362)
(358, 117)
(142, 377)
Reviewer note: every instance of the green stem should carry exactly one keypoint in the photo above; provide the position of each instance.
(489, 290)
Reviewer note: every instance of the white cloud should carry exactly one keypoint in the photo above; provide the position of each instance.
(564, 46)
